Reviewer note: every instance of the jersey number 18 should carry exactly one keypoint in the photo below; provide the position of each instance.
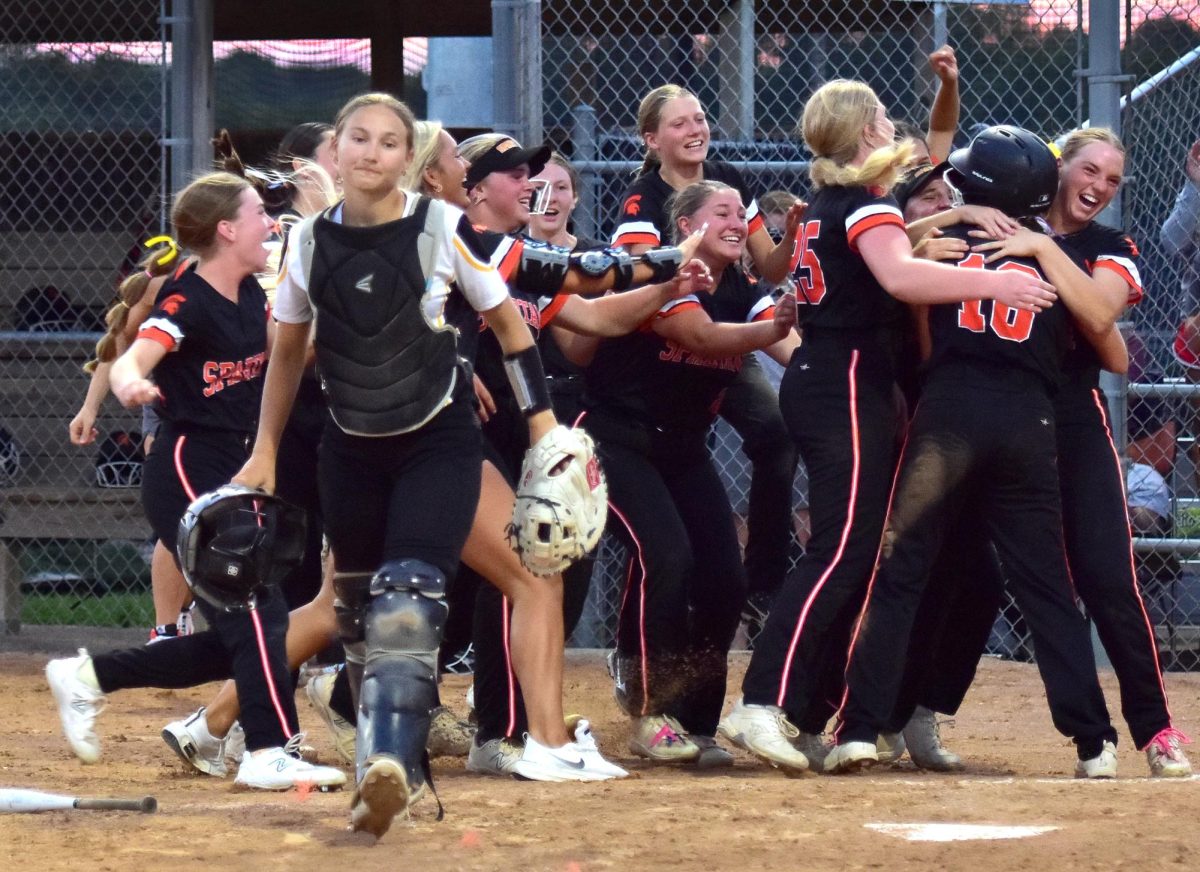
(1008, 323)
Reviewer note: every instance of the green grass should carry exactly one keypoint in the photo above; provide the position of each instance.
(109, 610)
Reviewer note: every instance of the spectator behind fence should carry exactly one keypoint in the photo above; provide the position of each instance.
(1151, 452)
(1180, 237)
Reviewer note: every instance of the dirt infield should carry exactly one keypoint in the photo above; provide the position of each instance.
(748, 818)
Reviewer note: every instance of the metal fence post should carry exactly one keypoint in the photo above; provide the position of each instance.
(517, 68)
(191, 24)
(583, 135)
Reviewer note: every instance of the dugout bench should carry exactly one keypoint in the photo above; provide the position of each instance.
(53, 494)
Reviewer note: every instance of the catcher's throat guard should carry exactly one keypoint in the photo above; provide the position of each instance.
(562, 502)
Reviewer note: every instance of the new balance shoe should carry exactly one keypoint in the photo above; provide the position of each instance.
(712, 755)
(382, 794)
(319, 690)
(163, 632)
(815, 747)
(448, 736)
(889, 748)
(1103, 765)
(661, 739)
(924, 740)
(766, 732)
(185, 624)
(594, 762)
(493, 757)
(1165, 757)
(72, 681)
(195, 745)
(850, 757)
(277, 769)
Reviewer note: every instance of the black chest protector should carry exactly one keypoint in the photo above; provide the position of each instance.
(387, 365)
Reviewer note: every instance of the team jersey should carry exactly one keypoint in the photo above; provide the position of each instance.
(986, 336)
(1100, 248)
(211, 376)
(834, 287)
(645, 381)
(554, 362)
(644, 219)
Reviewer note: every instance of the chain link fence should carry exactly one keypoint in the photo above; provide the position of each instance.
(85, 91)
(753, 65)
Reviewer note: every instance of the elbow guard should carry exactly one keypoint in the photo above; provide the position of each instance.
(596, 264)
(528, 380)
(542, 269)
(665, 262)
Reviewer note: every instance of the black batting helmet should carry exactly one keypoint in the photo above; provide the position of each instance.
(235, 542)
(1007, 168)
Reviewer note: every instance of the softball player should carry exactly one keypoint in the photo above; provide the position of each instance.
(1095, 519)
(985, 428)
(205, 343)
(675, 130)
(650, 399)
(854, 267)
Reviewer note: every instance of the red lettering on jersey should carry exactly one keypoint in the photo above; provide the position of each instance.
(218, 376)
(1133, 249)
(806, 266)
(675, 353)
(172, 303)
(632, 205)
(1015, 325)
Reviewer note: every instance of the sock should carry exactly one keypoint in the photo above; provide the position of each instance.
(87, 674)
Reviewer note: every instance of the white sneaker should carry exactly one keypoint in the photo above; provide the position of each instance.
(815, 747)
(850, 757)
(766, 732)
(235, 744)
(712, 755)
(1103, 765)
(594, 762)
(889, 748)
(319, 690)
(448, 736)
(1165, 757)
(924, 741)
(78, 704)
(493, 757)
(195, 745)
(539, 762)
(276, 769)
(382, 794)
(661, 739)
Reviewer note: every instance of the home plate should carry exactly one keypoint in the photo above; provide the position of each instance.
(956, 832)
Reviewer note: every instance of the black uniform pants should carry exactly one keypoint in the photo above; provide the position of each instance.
(1100, 559)
(685, 583)
(181, 466)
(751, 406)
(998, 447)
(838, 400)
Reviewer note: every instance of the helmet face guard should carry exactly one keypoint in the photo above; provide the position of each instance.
(234, 544)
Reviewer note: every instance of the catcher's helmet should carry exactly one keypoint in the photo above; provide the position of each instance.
(1007, 168)
(119, 460)
(235, 542)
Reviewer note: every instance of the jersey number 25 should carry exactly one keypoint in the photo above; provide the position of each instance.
(1008, 323)
(806, 266)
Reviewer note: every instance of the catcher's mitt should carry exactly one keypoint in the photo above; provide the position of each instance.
(562, 502)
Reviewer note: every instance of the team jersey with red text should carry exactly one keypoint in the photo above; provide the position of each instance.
(995, 337)
(644, 219)
(1100, 248)
(212, 374)
(834, 287)
(646, 381)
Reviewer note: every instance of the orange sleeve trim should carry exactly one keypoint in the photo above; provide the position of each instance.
(870, 223)
(756, 224)
(162, 337)
(508, 266)
(636, 239)
(1135, 290)
(765, 315)
(685, 306)
(552, 309)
